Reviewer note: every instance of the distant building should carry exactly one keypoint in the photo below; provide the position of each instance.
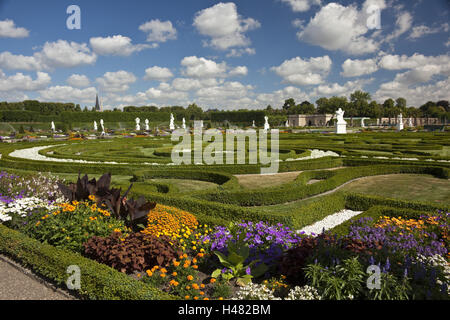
(415, 121)
(97, 104)
(309, 120)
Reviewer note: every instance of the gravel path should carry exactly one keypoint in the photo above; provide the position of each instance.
(18, 283)
(330, 222)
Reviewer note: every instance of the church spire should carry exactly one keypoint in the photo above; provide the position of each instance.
(97, 105)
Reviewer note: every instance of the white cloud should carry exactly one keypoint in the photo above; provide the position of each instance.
(118, 81)
(397, 62)
(68, 94)
(116, 45)
(301, 5)
(224, 26)
(19, 62)
(276, 99)
(188, 84)
(59, 54)
(337, 27)
(297, 71)
(402, 24)
(422, 30)
(335, 89)
(202, 68)
(9, 30)
(240, 51)
(416, 96)
(21, 82)
(159, 31)
(65, 55)
(239, 71)
(158, 73)
(78, 81)
(355, 68)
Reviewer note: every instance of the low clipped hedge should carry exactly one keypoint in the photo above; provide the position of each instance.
(98, 281)
(298, 189)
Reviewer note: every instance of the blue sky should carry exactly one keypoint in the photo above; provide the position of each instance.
(228, 55)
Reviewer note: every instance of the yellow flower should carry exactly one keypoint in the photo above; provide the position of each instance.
(190, 278)
(91, 197)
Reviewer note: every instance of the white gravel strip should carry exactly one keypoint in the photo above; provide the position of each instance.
(329, 222)
(33, 154)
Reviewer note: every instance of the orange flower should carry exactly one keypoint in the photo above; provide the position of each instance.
(205, 298)
(195, 266)
(149, 273)
(202, 293)
(220, 298)
(212, 280)
(163, 275)
(163, 270)
(186, 297)
(176, 263)
(195, 286)
(190, 278)
(202, 286)
(174, 274)
(195, 298)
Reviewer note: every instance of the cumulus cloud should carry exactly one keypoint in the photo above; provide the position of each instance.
(78, 81)
(117, 45)
(277, 98)
(297, 71)
(301, 5)
(422, 30)
(21, 82)
(68, 94)
(355, 68)
(118, 81)
(8, 29)
(415, 95)
(158, 31)
(399, 62)
(225, 27)
(59, 54)
(337, 27)
(335, 89)
(195, 67)
(158, 73)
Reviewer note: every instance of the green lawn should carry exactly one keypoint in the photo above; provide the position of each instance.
(404, 186)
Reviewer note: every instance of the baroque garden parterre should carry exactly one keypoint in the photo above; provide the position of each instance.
(223, 240)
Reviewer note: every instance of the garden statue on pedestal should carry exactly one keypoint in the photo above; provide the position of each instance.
(147, 127)
(400, 122)
(287, 123)
(53, 127)
(103, 127)
(171, 125)
(341, 125)
(253, 124)
(138, 125)
(410, 123)
(95, 126)
(266, 123)
(184, 123)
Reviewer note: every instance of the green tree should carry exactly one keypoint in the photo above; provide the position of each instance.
(288, 103)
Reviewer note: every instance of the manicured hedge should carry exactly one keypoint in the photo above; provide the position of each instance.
(298, 189)
(98, 281)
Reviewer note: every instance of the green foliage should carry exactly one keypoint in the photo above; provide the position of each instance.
(72, 225)
(98, 281)
(343, 281)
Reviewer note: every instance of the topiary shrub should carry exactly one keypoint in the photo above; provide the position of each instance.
(136, 252)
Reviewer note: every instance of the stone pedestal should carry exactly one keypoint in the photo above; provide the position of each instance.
(341, 128)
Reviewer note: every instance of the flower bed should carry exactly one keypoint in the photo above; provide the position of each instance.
(181, 257)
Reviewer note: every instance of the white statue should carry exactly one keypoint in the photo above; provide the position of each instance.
(171, 125)
(95, 126)
(147, 127)
(400, 122)
(341, 125)
(253, 124)
(138, 126)
(53, 127)
(184, 123)
(103, 127)
(410, 123)
(287, 123)
(266, 123)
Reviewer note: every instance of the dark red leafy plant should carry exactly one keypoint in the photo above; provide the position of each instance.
(136, 252)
